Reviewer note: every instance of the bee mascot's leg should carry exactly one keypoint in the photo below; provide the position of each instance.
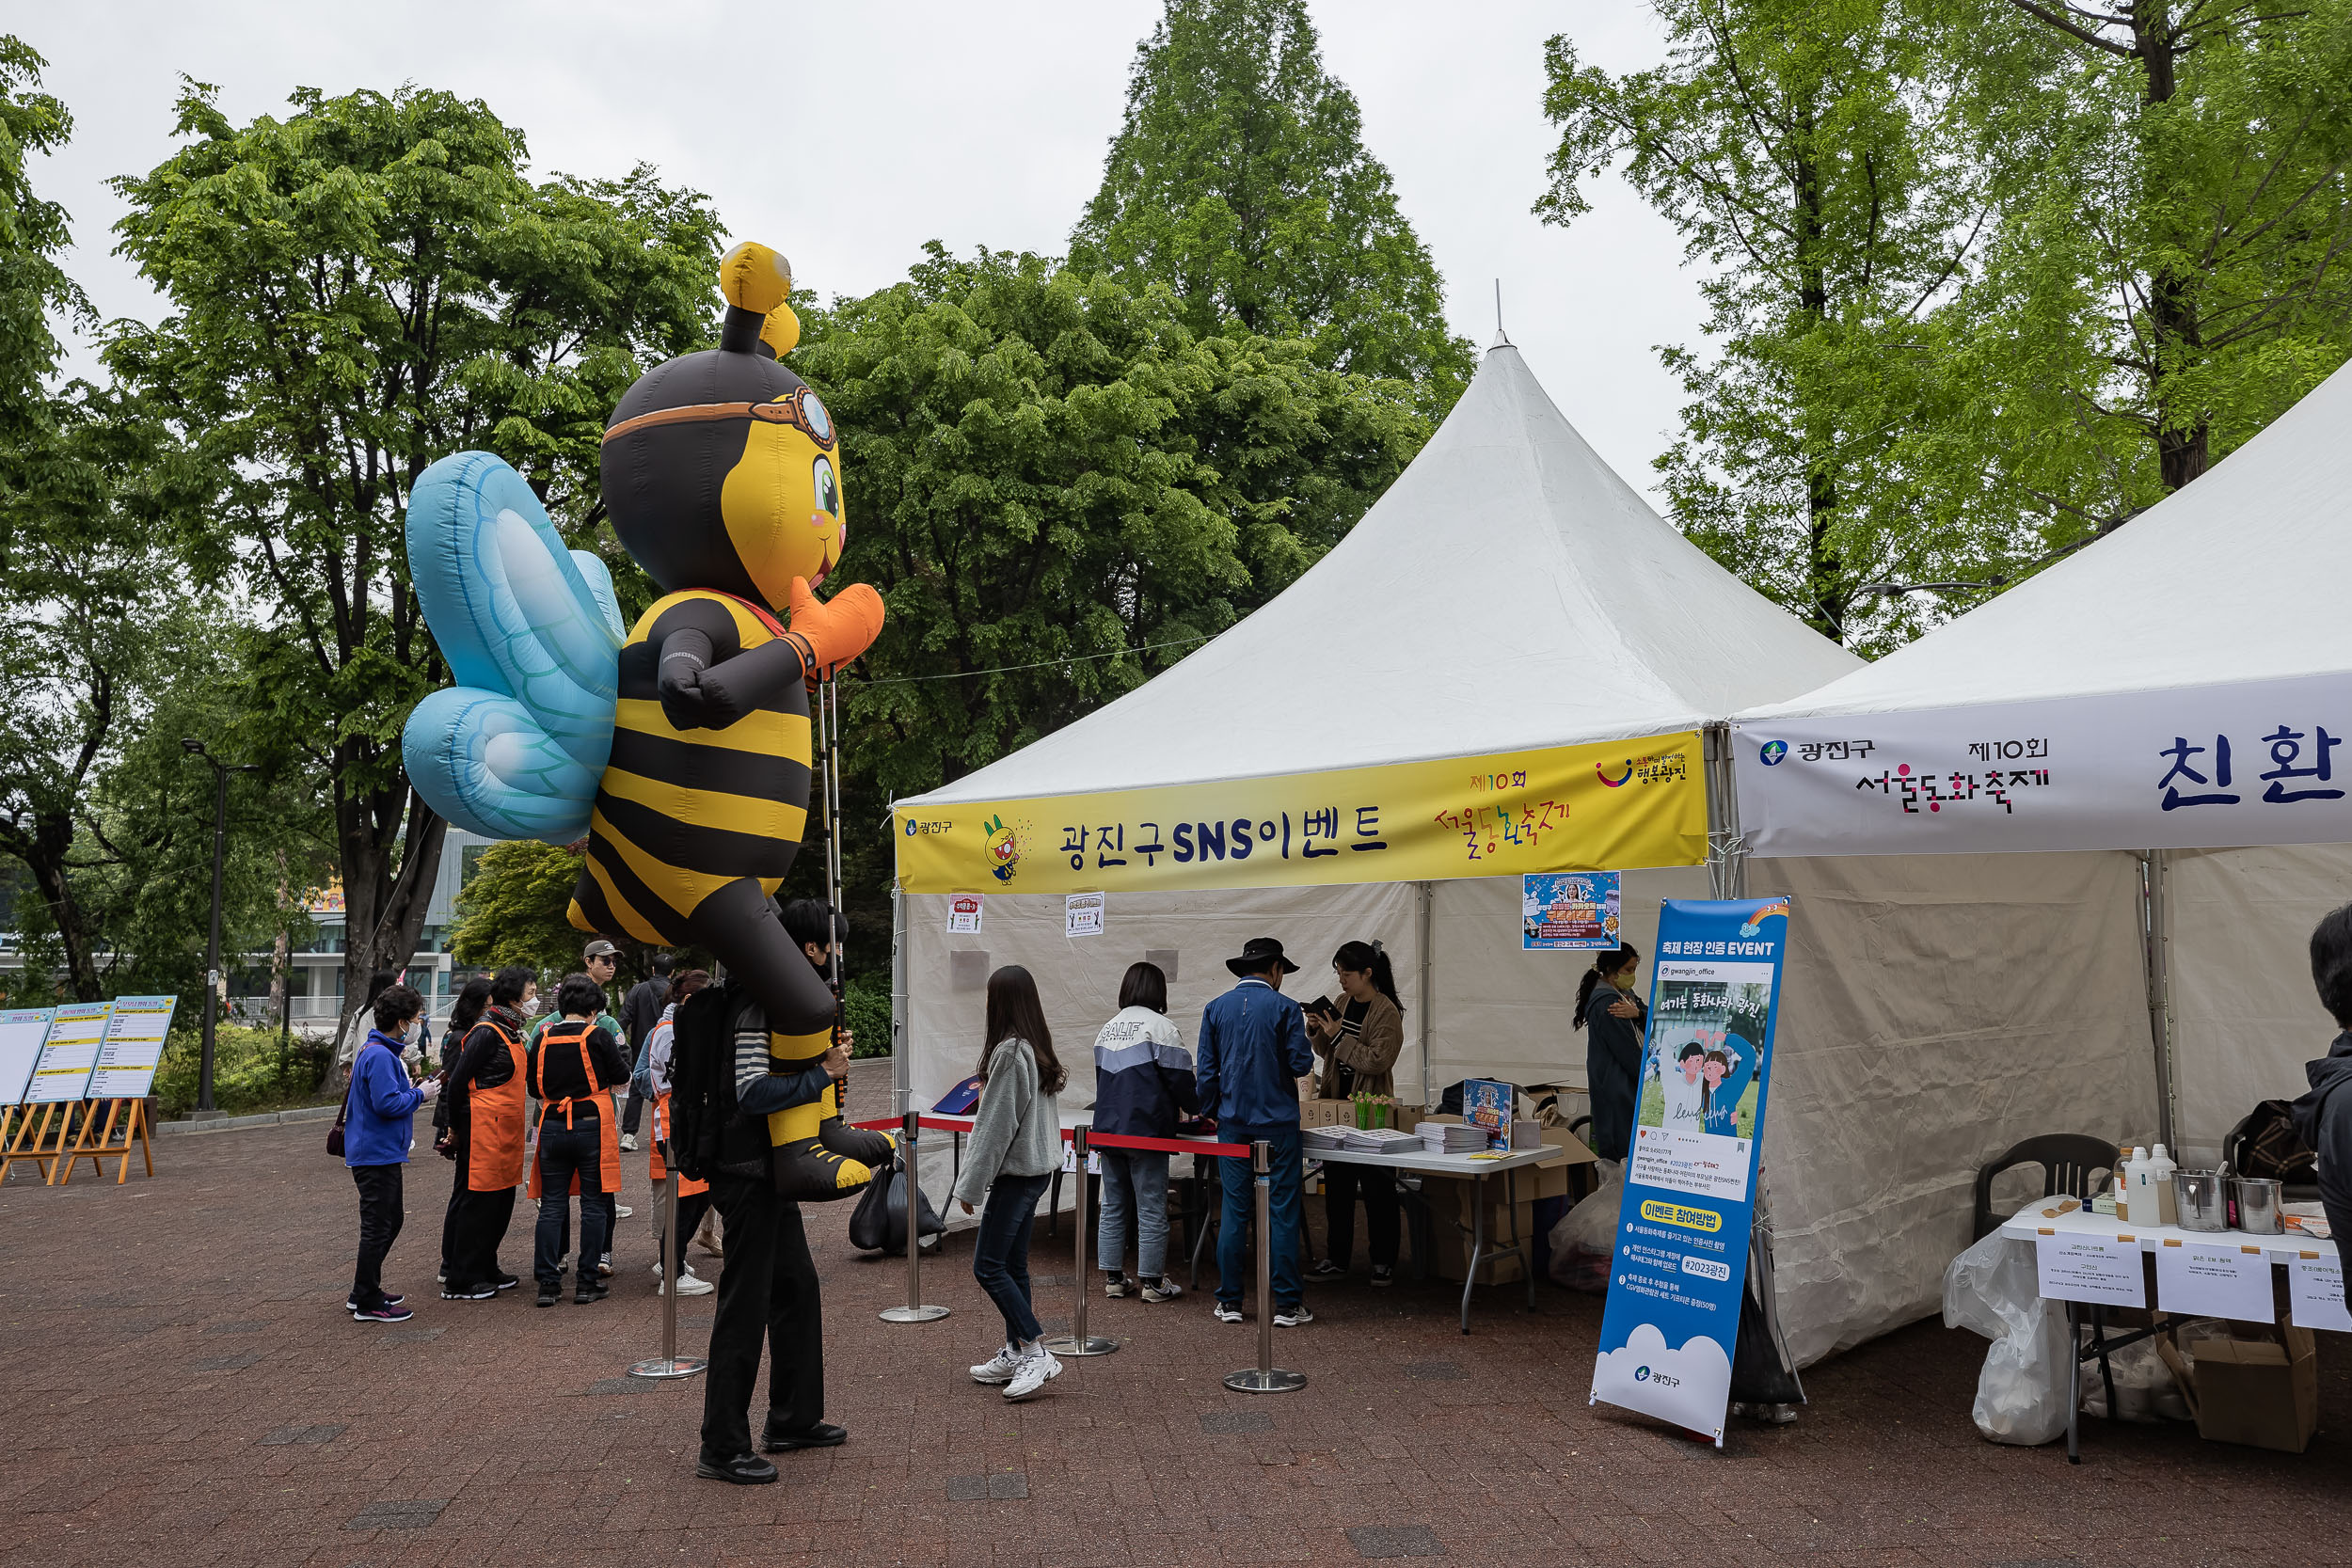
(818, 1156)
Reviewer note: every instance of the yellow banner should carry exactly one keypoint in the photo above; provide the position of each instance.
(1564, 808)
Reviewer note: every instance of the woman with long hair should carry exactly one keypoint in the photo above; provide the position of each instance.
(1359, 1043)
(1015, 1144)
(486, 1132)
(1143, 1086)
(463, 1015)
(1618, 1020)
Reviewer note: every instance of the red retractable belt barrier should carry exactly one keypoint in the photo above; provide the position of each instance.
(1100, 1140)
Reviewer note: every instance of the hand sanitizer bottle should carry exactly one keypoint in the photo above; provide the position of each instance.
(2160, 1169)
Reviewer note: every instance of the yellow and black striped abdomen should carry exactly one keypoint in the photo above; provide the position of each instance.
(683, 812)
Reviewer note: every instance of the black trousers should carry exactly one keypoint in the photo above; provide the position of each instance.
(476, 1226)
(1342, 1185)
(565, 1153)
(380, 1214)
(768, 1289)
(691, 1207)
(636, 1111)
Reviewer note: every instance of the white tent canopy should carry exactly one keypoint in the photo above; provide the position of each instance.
(2179, 688)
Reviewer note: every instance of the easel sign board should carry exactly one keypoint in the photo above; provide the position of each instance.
(2104, 1270)
(70, 1055)
(133, 1046)
(21, 1032)
(2222, 1279)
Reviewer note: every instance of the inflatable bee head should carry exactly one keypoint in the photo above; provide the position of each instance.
(720, 469)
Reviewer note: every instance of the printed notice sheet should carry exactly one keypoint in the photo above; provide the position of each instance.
(22, 1031)
(133, 1045)
(70, 1055)
(2102, 1269)
(2316, 1292)
(2220, 1279)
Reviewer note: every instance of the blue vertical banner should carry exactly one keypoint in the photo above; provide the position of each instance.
(1676, 1282)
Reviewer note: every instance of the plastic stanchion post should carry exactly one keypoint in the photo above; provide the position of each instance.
(1078, 1341)
(668, 1363)
(1265, 1377)
(915, 1311)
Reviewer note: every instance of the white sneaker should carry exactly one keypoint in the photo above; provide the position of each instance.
(688, 1286)
(1293, 1316)
(998, 1368)
(622, 1211)
(1039, 1368)
(629, 1143)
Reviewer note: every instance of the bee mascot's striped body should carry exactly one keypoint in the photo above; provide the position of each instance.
(721, 478)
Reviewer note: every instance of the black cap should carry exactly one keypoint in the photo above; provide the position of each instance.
(1260, 954)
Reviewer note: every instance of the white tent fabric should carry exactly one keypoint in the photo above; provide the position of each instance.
(1508, 591)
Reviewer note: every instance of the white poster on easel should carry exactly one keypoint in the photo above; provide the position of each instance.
(2220, 1279)
(132, 1048)
(21, 1032)
(2316, 1292)
(2104, 1270)
(70, 1055)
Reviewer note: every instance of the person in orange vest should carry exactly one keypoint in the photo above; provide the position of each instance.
(486, 1089)
(693, 1198)
(572, 1066)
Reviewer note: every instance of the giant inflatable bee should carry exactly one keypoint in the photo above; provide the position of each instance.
(680, 748)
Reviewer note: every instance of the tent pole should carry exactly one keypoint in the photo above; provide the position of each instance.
(2155, 890)
(1727, 852)
(1421, 913)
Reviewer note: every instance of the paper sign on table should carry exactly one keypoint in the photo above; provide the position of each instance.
(2100, 1269)
(1082, 914)
(2316, 1292)
(133, 1047)
(2220, 1279)
(22, 1031)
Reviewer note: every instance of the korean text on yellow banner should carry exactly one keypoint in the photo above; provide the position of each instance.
(1566, 808)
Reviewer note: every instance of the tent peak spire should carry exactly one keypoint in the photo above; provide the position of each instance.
(1502, 339)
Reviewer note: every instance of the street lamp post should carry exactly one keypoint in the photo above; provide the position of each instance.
(212, 947)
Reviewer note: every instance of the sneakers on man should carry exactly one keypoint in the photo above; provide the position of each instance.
(548, 1294)
(1381, 1275)
(622, 1211)
(689, 1286)
(505, 1281)
(1293, 1316)
(629, 1143)
(1227, 1312)
(390, 1299)
(1037, 1369)
(1325, 1269)
(468, 1292)
(391, 1312)
(998, 1368)
(1161, 1289)
(1116, 1285)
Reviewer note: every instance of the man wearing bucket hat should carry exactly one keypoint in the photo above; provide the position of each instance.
(1253, 1052)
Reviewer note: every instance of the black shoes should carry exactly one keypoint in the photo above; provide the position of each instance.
(505, 1281)
(548, 1295)
(587, 1294)
(824, 1434)
(744, 1469)
(468, 1292)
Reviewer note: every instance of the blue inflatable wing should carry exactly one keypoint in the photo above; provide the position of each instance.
(532, 633)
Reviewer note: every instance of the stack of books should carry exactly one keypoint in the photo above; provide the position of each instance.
(1383, 1140)
(1449, 1137)
(1320, 1140)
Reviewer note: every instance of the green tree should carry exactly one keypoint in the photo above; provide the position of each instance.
(34, 288)
(512, 908)
(1059, 490)
(358, 289)
(1240, 180)
(1798, 147)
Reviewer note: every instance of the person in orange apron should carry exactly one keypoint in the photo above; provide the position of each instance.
(486, 1128)
(572, 1066)
(693, 1198)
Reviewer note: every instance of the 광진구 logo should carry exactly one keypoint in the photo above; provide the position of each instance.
(1773, 751)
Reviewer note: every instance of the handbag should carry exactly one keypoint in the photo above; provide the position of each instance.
(335, 1133)
(878, 1224)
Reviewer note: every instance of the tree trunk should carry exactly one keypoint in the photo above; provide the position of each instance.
(1824, 564)
(43, 852)
(2176, 336)
(383, 910)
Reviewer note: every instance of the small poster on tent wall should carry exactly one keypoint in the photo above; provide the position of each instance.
(1676, 1281)
(1561, 912)
(1082, 914)
(963, 915)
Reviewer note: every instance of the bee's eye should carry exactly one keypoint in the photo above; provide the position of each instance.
(828, 492)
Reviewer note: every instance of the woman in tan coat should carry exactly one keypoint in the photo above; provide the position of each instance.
(1359, 1044)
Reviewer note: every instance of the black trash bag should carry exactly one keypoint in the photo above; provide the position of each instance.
(878, 1224)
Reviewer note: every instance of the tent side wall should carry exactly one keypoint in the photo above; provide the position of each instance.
(2244, 1018)
(1935, 1010)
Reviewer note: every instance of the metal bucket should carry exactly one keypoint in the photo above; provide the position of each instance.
(2202, 1198)
(2258, 1198)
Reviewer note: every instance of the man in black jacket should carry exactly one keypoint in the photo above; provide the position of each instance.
(2324, 1116)
(639, 1011)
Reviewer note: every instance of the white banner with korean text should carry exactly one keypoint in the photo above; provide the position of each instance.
(2194, 769)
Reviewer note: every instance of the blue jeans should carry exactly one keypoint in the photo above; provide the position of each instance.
(1135, 1196)
(1000, 1256)
(1234, 1264)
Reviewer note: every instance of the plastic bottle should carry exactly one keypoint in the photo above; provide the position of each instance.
(2129, 1177)
(2160, 1169)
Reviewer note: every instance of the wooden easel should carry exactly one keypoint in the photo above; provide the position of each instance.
(45, 1152)
(134, 1125)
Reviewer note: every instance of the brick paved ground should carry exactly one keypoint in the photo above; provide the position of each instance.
(182, 1389)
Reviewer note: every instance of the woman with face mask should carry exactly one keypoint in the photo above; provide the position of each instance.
(1606, 1005)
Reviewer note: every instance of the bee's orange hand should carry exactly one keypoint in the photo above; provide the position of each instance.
(840, 628)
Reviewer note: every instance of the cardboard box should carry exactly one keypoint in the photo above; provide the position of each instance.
(1326, 1113)
(1448, 1201)
(2264, 1393)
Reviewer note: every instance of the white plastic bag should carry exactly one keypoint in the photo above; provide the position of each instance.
(1586, 1239)
(2021, 1394)
(2145, 1389)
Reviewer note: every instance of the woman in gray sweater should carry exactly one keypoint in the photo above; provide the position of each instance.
(1015, 1144)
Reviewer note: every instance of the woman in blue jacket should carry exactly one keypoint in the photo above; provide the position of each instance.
(379, 1112)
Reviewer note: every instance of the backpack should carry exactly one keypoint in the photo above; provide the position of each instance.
(2267, 1144)
(702, 1080)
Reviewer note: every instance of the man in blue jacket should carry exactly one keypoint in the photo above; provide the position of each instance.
(1253, 1052)
(378, 1125)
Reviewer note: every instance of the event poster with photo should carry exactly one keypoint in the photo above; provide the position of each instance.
(1675, 1285)
(1562, 911)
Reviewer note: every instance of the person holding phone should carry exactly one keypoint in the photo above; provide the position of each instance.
(1359, 1042)
(1617, 1020)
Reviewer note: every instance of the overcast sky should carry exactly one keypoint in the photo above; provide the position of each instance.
(848, 135)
